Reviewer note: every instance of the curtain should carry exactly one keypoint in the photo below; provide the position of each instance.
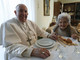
(7, 8)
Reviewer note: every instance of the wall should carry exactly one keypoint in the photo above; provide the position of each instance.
(69, 1)
(41, 20)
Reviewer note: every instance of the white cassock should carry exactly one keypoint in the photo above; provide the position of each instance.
(17, 37)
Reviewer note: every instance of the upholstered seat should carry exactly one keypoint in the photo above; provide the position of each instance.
(1, 41)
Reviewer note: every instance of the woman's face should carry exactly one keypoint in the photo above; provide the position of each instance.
(63, 23)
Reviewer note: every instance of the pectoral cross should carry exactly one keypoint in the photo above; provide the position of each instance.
(29, 40)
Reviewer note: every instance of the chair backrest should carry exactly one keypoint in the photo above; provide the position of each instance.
(2, 33)
(2, 37)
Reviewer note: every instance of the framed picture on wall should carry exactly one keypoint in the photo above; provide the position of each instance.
(46, 7)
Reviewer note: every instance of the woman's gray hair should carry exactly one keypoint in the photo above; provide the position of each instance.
(62, 15)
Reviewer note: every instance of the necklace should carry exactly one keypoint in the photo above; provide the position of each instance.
(26, 30)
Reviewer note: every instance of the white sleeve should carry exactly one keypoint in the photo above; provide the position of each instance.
(18, 49)
(9, 36)
(41, 32)
(12, 43)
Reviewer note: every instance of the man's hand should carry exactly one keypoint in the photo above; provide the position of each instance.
(40, 52)
(53, 36)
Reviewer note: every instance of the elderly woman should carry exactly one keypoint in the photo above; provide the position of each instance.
(63, 26)
(78, 27)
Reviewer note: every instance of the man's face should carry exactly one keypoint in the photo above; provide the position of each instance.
(21, 13)
(63, 23)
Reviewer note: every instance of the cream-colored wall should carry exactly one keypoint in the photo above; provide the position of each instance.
(69, 1)
(41, 20)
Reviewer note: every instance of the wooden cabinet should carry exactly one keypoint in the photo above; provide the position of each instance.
(77, 15)
(57, 8)
(73, 9)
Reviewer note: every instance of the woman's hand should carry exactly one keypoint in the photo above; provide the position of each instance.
(40, 52)
(74, 36)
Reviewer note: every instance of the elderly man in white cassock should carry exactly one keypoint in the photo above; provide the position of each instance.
(20, 33)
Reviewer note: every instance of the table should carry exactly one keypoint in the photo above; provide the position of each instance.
(59, 52)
